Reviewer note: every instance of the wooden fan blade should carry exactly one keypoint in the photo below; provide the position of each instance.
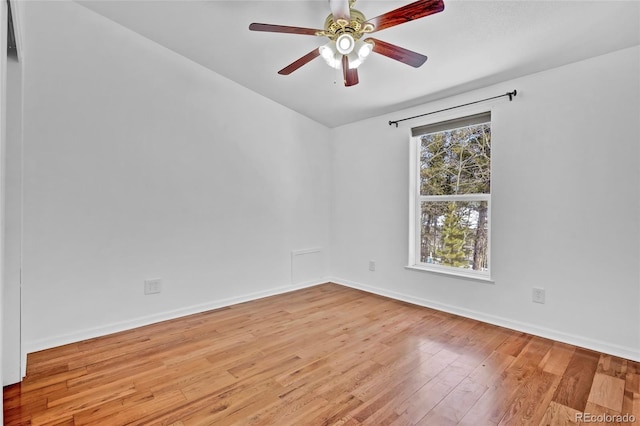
(270, 28)
(350, 75)
(415, 10)
(398, 53)
(340, 9)
(300, 62)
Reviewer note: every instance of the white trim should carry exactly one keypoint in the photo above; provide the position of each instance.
(306, 251)
(457, 197)
(415, 200)
(3, 140)
(560, 336)
(455, 272)
(90, 333)
(414, 212)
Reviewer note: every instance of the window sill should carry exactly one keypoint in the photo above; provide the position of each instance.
(483, 278)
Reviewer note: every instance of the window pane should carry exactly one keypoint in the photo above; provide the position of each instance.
(454, 234)
(456, 161)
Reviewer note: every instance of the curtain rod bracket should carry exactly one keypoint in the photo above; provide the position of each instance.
(393, 122)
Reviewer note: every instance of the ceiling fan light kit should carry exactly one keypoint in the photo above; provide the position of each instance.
(345, 27)
(357, 52)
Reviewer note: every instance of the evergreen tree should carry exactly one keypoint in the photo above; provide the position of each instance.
(452, 252)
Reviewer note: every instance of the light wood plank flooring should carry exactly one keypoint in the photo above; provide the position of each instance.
(326, 355)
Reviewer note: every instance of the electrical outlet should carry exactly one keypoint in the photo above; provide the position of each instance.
(372, 265)
(538, 295)
(153, 286)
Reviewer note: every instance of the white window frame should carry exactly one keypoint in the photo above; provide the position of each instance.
(415, 210)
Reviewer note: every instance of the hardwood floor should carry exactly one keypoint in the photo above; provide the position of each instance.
(327, 355)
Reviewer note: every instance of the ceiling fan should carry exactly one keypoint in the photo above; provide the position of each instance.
(345, 28)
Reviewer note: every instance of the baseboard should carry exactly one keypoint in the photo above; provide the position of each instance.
(572, 339)
(90, 333)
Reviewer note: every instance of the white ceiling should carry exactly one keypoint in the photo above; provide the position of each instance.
(470, 44)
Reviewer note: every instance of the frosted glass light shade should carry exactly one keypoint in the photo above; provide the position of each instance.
(358, 51)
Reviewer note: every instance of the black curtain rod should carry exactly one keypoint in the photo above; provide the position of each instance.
(509, 94)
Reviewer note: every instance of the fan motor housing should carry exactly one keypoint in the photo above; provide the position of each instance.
(355, 27)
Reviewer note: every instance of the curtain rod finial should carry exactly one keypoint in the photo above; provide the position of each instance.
(393, 122)
(512, 94)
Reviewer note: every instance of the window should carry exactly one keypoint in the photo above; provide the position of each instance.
(451, 196)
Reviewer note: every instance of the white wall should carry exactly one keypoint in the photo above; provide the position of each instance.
(141, 164)
(565, 206)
